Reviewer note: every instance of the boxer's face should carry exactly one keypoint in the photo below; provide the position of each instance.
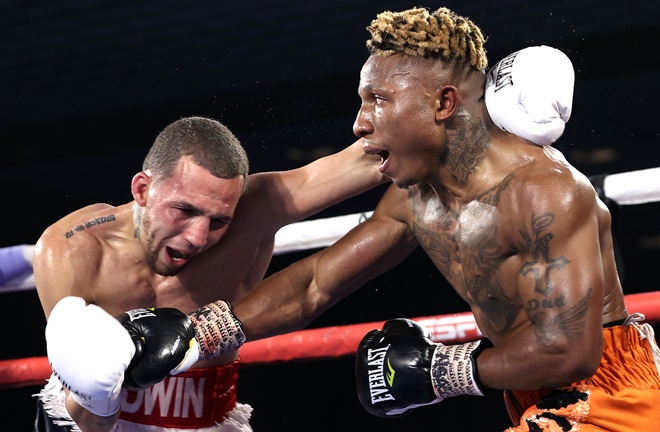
(186, 214)
(397, 117)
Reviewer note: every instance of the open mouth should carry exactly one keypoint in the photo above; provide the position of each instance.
(176, 255)
(384, 155)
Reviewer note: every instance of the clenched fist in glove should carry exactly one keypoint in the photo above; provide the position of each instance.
(164, 339)
(399, 368)
(169, 342)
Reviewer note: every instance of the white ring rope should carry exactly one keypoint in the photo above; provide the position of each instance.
(635, 187)
(629, 188)
(316, 233)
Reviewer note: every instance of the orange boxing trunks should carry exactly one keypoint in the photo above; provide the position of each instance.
(623, 394)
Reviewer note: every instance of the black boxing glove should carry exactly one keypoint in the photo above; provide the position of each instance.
(168, 342)
(164, 341)
(400, 368)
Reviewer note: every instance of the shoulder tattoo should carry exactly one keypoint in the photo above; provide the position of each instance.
(89, 224)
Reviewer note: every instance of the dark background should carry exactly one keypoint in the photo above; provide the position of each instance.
(85, 87)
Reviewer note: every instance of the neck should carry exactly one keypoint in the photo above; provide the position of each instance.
(137, 219)
(467, 144)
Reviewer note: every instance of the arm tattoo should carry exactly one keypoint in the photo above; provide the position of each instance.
(538, 246)
(569, 323)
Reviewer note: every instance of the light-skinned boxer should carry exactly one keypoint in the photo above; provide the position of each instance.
(184, 240)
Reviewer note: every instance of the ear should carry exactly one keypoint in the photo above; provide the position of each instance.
(140, 187)
(446, 103)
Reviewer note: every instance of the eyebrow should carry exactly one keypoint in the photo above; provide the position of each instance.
(197, 210)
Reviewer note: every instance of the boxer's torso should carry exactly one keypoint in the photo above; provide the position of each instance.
(482, 245)
(109, 269)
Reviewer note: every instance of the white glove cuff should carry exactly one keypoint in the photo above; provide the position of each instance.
(103, 407)
(453, 371)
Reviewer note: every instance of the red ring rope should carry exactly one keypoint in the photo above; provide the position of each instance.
(328, 342)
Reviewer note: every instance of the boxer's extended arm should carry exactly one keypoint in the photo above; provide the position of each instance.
(292, 298)
(290, 196)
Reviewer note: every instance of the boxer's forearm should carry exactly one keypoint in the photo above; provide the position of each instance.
(284, 302)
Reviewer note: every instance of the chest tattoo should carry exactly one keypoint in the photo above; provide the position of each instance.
(466, 248)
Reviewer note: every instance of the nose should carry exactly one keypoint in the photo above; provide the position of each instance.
(197, 232)
(362, 125)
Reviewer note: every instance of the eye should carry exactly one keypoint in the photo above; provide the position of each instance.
(217, 223)
(379, 100)
(185, 210)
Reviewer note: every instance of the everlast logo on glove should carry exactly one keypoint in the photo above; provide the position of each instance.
(392, 369)
(136, 314)
(504, 76)
(378, 389)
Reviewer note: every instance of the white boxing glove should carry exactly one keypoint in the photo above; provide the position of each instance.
(530, 93)
(88, 350)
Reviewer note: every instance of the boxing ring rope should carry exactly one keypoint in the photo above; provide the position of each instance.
(635, 187)
(322, 343)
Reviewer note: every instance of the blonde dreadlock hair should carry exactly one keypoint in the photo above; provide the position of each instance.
(416, 32)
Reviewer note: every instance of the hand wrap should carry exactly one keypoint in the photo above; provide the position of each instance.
(217, 330)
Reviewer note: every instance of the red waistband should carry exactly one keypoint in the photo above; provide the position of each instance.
(194, 399)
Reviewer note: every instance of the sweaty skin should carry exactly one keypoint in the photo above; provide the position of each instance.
(195, 224)
(518, 232)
